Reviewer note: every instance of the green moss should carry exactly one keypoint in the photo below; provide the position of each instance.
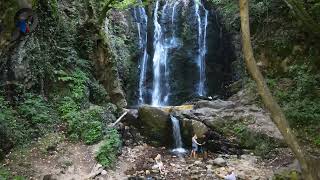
(288, 175)
(6, 175)
(259, 143)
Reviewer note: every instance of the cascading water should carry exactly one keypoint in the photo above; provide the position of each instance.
(202, 46)
(159, 60)
(167, 39)
(177, 136)
(141, 19)
(162, 45)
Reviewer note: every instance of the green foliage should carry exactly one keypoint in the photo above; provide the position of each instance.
(227, 9)
(261, 144)
(67, 105)
(125, 4)
(300, 99)
(107, 153)
(8, 10)
(38, 113)
(33, 118)
(98, 94)
(86, 125)
(6, 175)
(77, 83)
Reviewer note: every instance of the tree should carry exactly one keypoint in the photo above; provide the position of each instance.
(297, 6)
(277, 114)
(119, 4)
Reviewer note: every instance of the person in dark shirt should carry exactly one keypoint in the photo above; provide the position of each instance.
(203, 145)
(23, 26)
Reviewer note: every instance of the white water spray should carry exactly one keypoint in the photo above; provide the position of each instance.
(202, 47)
(142, 20)
(177, 136)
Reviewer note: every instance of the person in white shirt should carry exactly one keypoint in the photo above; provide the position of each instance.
(159, 163)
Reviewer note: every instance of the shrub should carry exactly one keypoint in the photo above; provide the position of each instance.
(107, 153)
(39, 115)
(86, 125)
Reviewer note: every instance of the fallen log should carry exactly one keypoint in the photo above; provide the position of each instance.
(119, 119)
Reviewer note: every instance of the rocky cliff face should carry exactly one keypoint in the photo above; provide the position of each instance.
(63, 70)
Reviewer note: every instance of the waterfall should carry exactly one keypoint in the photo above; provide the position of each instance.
(162, 45)
(202, 47)
(177, 135)
(166, 41)
(141, 19)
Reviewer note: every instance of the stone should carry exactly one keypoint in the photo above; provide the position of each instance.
(156, 125)
(155, 170)
(210, 161)
(50, 177)
(220, 162)
(197, 162)
(216, 104)
(104, 172)
(147, 172)
(195, 177)
(191, 127)
(209, 167)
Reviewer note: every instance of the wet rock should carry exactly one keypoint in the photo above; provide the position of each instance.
(220, 162)
(191, 127)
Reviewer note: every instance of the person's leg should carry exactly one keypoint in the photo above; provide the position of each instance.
(205, 154)
(195, 152)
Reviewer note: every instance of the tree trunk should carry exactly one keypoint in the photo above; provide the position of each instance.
(277, 115)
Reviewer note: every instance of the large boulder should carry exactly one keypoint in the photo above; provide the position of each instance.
(249, 125)
(216, 104)
(155, 125)
(191, 127)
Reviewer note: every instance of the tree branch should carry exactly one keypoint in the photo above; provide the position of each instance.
(300, 11)
(104, 11)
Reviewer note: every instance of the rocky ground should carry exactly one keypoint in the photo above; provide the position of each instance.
(234, 125)
(141, 160)
(66, 161)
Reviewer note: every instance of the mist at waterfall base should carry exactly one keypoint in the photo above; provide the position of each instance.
(183, 53)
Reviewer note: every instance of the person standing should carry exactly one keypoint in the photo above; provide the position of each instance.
(203, 145)
(195, 146)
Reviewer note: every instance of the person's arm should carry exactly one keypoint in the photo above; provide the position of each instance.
(197, 142)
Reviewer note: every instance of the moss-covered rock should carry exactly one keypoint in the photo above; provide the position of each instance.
(155, 125)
